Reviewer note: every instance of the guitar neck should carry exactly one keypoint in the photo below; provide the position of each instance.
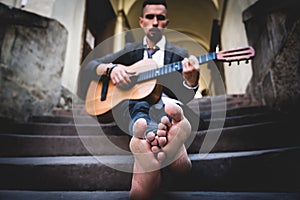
(166, 69)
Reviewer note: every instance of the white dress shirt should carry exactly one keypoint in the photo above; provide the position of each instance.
(158, 57)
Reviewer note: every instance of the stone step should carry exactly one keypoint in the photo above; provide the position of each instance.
(230, 100)
(247, 116)
(204, 104)
(219, 104)
(238, 138)
(229, 112)
(195, 105)
(63, 119)
(67, 125)
(238, 120)
(40, 145)
(246, 137)
(69, 129)
(273, 170)
(124, 195)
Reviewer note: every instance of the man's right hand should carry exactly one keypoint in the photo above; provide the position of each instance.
(119, 76)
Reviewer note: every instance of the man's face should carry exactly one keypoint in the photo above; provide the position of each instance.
(154, 19)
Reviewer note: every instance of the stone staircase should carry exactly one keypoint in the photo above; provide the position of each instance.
(68, 154)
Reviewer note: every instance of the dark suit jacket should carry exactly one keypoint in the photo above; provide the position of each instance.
(133, 52)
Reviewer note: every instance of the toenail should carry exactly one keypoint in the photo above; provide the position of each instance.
(153, 131)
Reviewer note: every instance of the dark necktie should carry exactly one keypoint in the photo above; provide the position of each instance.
(150, 52)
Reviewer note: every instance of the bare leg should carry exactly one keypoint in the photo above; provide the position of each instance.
(146, 169)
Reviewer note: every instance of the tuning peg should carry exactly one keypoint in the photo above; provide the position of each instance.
(238, 62)
(247, 61)
(229, 64)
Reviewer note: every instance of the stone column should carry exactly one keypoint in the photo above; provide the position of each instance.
(273, 29)
(31, 63)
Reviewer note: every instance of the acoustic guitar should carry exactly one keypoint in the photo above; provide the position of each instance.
(102, 97)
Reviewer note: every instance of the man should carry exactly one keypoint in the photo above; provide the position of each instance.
(159, 128)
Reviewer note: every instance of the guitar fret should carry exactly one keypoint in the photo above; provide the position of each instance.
(139, 78)
(168, 69)
(203, 58)
(178, 66)
(207, 57)
(212, 56)
(146, 76)
(157, 72)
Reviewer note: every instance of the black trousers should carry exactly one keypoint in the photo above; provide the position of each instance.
(127, 112)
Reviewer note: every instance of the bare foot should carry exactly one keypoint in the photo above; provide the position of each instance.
(174, 152)
(146, 169)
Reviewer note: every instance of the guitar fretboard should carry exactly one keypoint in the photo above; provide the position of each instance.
(166, 69)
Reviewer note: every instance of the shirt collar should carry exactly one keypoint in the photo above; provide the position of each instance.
(161, 43)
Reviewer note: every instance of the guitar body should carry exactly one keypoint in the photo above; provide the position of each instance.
(95, 106)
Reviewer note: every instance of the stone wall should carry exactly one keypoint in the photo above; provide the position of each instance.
(32, 54)
(273, 29)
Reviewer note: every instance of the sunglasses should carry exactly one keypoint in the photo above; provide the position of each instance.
(158, 17)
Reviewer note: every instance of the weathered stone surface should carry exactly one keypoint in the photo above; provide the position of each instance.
(31, 63)
(273, 29)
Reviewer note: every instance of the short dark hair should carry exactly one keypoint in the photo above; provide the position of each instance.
(153, 2)
(157, 2)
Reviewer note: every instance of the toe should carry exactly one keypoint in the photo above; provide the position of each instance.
(154, 142)
(150, 136)
(166, 121)
(139, 128)
(162, 141)
(161, 156)
(155, 149)
(162, 126)
(174, 111)
(161, 133)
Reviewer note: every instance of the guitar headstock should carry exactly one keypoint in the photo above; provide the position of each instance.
(238, 54)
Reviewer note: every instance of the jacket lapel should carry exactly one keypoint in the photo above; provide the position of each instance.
(168, 54)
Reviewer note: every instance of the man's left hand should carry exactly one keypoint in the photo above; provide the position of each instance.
(190, 71)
